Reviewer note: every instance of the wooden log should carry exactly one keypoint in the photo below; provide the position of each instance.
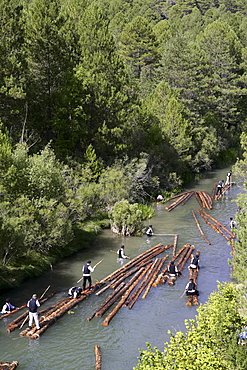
(219, 224)
(198, 199)
(133, 298)
(108, 302)
(177, 202)
(178, 195)
(98, 358)
(214, 226)
(199, 228)
(187, 198)
(161, 278)
(175, 244)
(114, 284)
(224, 189)
(209, 199)
(157, 270)
(129, 288)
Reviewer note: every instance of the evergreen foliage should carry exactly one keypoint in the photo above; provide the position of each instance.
(210, 341)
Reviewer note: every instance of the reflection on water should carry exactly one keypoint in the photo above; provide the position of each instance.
(69, 343)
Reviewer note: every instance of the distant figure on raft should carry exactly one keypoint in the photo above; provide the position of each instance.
(173, 270)
(87, 269)
(7, 307)
(191, 288)
(220, 187)
(160, 198)
(121, 254)
(228, 177)
(149, 231)
(33, 305)
(194, 264)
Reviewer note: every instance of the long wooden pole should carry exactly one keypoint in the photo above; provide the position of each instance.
(199, 228)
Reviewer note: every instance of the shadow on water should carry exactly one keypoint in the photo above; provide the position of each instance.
(69, 343)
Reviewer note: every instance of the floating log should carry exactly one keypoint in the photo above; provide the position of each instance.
(133, 298)
(178, 201)
(214, 226)
(162, 276)
(8, 365)
(199, 228)
(112, 298)
(97, 357)
(128, 289)
(159, 266)
(175, 244)
(219, 224)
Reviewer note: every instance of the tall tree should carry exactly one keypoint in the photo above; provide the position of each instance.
(138, 45)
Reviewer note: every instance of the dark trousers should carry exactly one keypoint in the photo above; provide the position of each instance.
(85, 278)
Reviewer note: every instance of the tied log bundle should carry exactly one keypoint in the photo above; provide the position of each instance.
(219, 224)
(202, 197)
(216, 226)
(50, 319)
(18, 322)
(135, 295)
(193, 299)
(128, 289)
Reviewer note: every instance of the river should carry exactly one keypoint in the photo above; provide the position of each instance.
(69, 343)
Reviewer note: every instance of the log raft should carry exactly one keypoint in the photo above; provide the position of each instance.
(193, 299)
(202, 197)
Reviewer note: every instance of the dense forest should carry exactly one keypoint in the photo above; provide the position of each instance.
(104, 104)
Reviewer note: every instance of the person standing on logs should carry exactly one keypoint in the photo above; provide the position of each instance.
(33, 305)
(87, 269)
(220, 187)
(7, 307)
(194, 264)
(149, 231)
(228, 177)
(121, 254)
(191, 288)
(173, 270)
